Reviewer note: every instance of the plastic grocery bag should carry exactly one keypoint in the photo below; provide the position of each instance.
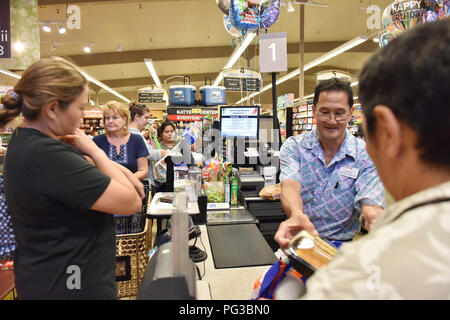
(280, 282)
(215, 191)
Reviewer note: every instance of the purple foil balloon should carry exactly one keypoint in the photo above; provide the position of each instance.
(444, 11)
(272, 14)
(430, 16)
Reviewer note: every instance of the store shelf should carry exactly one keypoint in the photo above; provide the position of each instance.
(302, 119)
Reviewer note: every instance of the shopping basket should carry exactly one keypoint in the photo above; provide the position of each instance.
(131, 260)
(132, 251)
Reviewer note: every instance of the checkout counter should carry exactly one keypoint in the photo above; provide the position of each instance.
(269, 213)
(236, 255)
(235, 240)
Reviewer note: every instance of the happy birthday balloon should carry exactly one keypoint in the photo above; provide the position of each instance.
(230, 28)
(407, 13)
(244, 14)
(386, 19)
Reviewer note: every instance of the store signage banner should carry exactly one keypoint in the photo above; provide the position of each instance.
(148, 97)
(190, 114)
(5, 30)
(242, 84)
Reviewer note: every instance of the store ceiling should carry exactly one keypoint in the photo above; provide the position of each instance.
(187, 37)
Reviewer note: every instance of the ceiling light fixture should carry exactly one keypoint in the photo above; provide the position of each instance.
(236, 54)
(151, 68)
(95, 81)
(87, 49)
(18, 46)
(333, 53)
(46, 28)
(61, 29)
(290, 7)
(104, 86)
(11, 74)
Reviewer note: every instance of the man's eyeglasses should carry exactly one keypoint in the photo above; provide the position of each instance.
(327, 116)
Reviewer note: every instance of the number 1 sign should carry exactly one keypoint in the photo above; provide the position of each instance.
(273, 52)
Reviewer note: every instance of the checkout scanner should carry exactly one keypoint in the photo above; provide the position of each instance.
(160, 283)
(170, 273)
(250, 183)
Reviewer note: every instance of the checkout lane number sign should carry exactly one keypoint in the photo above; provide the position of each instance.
(273, 52)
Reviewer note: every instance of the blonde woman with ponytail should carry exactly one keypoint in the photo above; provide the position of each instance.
(61, 189)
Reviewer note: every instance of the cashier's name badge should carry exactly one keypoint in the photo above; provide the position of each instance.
(349, 172)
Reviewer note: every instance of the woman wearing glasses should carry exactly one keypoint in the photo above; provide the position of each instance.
(329, 185)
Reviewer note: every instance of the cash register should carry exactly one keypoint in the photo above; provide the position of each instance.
(250, 183)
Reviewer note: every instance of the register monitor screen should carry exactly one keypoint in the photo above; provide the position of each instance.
(239, 122)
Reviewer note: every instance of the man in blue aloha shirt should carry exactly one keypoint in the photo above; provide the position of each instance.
(329, 185)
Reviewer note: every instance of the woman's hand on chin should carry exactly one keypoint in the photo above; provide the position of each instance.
(81, 141)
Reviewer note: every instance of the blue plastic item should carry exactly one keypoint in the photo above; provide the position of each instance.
(213, 96)
(182, 95)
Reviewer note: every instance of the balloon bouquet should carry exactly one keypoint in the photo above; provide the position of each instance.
(402, 15)
(243, 15)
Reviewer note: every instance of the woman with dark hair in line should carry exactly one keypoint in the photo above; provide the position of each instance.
(167, 135)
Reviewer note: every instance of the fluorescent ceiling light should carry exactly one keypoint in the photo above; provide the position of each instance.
(104, 86)
(151, 68)
(95, 81)
(333, 53)
(88, 77)
(10, 74)
(236, 54)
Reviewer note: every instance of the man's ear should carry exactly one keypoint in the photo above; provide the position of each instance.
(50, 110)
(388, 131)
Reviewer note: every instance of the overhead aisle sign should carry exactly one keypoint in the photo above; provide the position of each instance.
(242, 80)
